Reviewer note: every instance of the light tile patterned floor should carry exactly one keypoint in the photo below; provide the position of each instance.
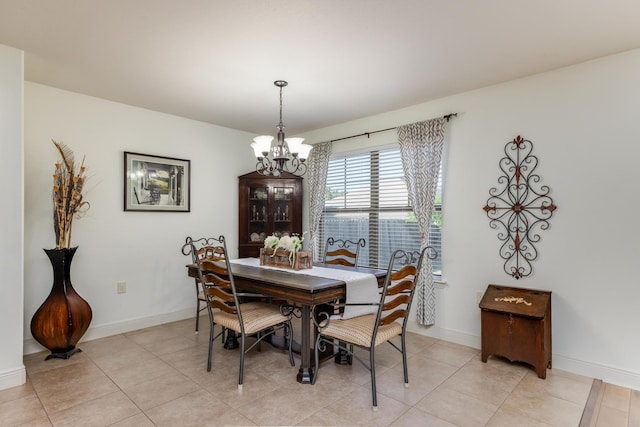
(157, 376)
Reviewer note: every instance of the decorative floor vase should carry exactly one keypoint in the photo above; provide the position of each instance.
(64, 316)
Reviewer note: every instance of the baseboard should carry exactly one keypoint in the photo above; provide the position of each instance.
(455, 337)
(101, 331)
(607, 374)
(13, 378)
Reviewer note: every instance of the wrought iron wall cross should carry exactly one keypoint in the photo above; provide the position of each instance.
(518, 210)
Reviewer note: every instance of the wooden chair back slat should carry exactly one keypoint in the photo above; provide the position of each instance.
(216, 267)
(407, 270)
(214, 292)
(392, 317)
(213, 279)
(340, 261)
(397, 288)
(391, 303)
(223, 307)
(342, 252)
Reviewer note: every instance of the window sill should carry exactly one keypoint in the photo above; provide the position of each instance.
(440, 284)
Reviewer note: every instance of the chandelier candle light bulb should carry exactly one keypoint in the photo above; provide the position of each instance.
(261, 146)
(305, 150)
(294, 145)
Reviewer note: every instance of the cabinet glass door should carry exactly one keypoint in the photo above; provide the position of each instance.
(258, 213)
(283, 210)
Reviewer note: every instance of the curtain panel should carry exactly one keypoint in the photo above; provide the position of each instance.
(421, 146)
(318, 164)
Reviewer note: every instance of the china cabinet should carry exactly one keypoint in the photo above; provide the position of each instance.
(268, 205)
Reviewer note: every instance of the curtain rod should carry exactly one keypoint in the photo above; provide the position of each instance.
(368, 134)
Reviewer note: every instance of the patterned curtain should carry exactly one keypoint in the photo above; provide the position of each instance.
(421, 147)
(318, 164)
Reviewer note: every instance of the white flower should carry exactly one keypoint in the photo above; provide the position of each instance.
(293, 244)
(288, 243)
(271, 242)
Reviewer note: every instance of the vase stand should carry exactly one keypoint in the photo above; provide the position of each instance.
(63, 355)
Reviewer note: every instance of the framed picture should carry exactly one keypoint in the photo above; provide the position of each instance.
(156, 184)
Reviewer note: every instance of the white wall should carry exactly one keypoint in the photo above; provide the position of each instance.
(12, 371)
(140, 248)
(584, 122)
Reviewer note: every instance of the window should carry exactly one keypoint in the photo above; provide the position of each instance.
(366, 196)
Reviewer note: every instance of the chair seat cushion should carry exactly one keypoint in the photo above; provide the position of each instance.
(358, 330)
(255, 315)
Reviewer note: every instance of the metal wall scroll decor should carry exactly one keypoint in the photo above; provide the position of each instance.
(517, 209)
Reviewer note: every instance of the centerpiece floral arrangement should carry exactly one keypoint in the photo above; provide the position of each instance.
(292, 244)
(68, 184)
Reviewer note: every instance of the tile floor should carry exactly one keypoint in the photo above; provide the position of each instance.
(612, 406)
(157, 376)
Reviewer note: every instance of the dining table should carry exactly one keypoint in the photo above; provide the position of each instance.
(302, 288)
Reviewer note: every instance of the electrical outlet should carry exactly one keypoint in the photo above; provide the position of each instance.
(479, 296)
(122, 287)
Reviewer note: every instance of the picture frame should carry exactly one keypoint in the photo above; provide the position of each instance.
(156, 183)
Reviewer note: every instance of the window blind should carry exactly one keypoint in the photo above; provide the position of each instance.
(366, 196)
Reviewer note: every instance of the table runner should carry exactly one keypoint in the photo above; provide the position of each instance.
(362, 288)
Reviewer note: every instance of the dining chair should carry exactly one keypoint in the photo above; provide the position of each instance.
(255, 320)
(342, 252)
(199, 249)
(390, 320)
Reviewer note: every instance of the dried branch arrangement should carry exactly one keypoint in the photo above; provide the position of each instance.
(68, 183)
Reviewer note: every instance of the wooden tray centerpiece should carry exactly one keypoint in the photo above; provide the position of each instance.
(282, 259)
(274, 253)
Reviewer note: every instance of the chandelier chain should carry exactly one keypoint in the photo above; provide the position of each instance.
(280, 124)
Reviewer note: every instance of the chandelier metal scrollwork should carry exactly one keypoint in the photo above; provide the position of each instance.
(517, 210)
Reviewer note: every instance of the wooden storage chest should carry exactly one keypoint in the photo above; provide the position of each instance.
(516, 324)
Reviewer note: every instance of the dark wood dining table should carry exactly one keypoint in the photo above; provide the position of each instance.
(305, 290)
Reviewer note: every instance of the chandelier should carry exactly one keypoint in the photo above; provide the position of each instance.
(287, 155)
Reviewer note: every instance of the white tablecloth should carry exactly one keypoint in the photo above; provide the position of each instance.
(361, 287)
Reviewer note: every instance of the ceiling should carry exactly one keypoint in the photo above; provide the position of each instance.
(216, 60)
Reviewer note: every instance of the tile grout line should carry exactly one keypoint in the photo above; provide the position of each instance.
(585, 421)
(120, 388)
(505, 399)
(39, 399)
